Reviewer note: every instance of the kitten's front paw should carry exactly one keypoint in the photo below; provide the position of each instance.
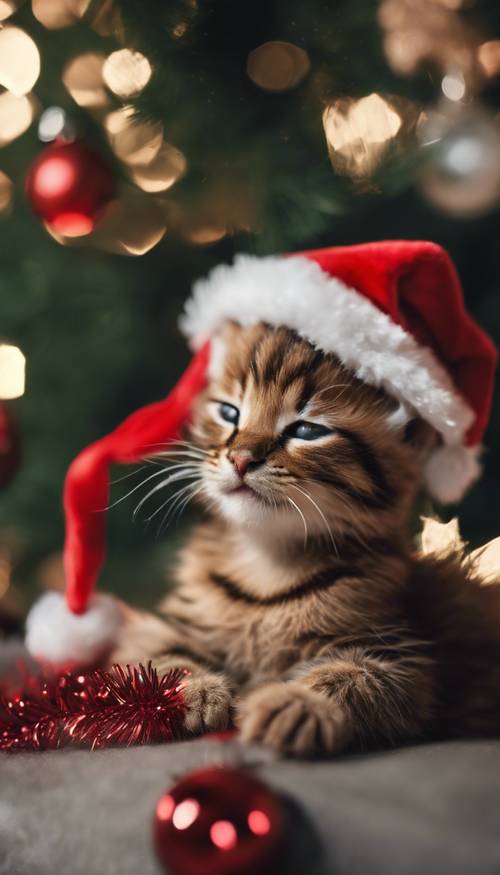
(207, 699)
(293, 719)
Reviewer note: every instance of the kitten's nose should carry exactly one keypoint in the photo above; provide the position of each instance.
(241, 460)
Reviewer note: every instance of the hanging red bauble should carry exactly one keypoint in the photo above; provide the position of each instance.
(68, 186)
(10, 446)
(219, 821)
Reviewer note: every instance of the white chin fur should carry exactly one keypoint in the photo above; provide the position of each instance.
(56, 635)
(451, 471)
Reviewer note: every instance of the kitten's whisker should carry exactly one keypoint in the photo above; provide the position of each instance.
(184, 503)
(130, 474)
(304, 522)
(172, 478)
(169, 500)
(168, 445)
(146, 480)
(179, 454)
(322, 515)
(190, 488)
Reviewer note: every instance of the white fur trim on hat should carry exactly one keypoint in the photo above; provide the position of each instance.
(297, 293)
(56, 635)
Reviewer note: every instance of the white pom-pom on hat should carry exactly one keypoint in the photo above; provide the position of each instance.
(55, 635)
(450, 471)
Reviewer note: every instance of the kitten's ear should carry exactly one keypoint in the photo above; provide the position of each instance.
(217, 356)
(399, 417)
(220, 342)
(421, 436)
(413, 430)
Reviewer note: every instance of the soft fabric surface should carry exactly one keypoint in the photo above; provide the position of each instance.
(430, 809)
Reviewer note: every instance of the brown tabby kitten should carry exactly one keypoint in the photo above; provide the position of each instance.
(300, 608)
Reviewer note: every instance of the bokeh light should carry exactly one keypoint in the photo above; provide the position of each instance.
(126, 73)
(488, 55)
(16, 115)
(134, 142)
(7, 8)
(12, 372)
(205, 234)
(277, 65)
(54, 14)
(5, 193)
(83, 79)
(161, 173)
(132, 224)
(453, 86)
(19, 60)
(357, 133)
(52, 123)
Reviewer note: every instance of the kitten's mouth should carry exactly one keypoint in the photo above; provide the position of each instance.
(242, 489)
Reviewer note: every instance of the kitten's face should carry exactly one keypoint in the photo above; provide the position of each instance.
(293, 442)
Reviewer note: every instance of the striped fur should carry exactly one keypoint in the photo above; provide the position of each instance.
(299, 607)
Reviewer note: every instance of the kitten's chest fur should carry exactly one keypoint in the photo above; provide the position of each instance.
(256, 611)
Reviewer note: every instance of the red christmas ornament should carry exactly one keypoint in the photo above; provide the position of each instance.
(10, 446)
(124, 706)
(68, 186)
(219, 821)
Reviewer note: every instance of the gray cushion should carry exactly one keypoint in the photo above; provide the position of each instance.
(427, 809)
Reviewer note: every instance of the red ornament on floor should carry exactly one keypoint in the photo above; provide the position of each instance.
(10, 446)
(219, 821)
(68, 186)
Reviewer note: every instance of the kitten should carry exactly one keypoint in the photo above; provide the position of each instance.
(300, 608)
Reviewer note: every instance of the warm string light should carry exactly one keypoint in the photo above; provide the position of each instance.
(16, 115)
(53, 123)
(488, 55)
(5, 575)
(453, 86)
(19, 61)
(131, 225)
(126, 73)
(12, 372)
(82, 78)
(7, 8)
(134, 142)
(358, 132)
(419, 31)
(5, 193)
(162, 172)
(55, 14)
(277, 65)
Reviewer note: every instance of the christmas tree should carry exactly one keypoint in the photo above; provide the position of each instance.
(202, 128)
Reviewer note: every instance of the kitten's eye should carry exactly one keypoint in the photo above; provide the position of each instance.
(306, 431)
(228, 412)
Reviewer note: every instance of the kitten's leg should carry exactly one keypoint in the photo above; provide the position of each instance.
(207, 691)
(349, 699)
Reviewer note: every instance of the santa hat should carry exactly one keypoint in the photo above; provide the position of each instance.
(392, 312)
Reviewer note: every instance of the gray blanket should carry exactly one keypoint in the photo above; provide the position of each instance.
(424, 810)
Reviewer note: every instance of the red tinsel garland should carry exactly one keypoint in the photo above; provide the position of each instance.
(124, 706)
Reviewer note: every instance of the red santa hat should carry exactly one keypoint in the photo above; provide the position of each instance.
(392, 312)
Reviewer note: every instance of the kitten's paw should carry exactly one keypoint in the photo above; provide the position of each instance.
(293, 719)
(207, 699)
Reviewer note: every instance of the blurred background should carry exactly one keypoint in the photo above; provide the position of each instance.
(142, 142)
